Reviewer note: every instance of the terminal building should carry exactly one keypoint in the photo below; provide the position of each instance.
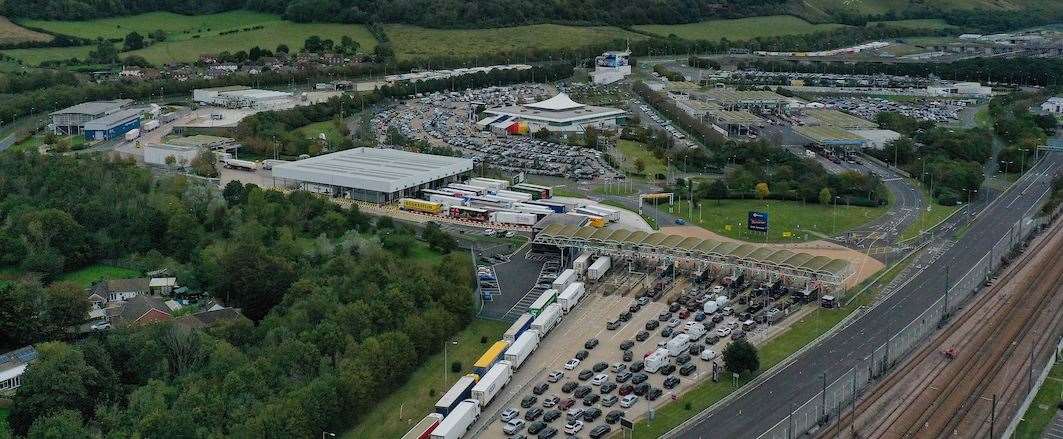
(559, 113)
(71, 120)
(375, 175)
(113, 125)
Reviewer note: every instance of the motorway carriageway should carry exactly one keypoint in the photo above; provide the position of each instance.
(760, 408)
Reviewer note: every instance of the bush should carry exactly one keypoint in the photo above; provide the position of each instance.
(483, 340)
(455, 367)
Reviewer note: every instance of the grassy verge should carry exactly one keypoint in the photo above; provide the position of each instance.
(776, 350)
(3, 420)
(614, 189)
(630, 152)
(417, 42)
(86, 276)
(927, 219)
(740, 28)
(801, 221)
(394, 415)
(328, 128)
(32, 143)
(1044, 406)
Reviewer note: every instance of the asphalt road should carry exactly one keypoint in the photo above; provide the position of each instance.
(762, 407)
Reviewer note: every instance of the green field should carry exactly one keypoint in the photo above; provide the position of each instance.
(393, 416)
(929, 23)
(776, 350)
(11, 33)
(189, 37)
(1043, 408)
(804, 221)
(631, 151)
(327, 127)
(418, 42)
(926, 219)
(86, 276)
(740, 28)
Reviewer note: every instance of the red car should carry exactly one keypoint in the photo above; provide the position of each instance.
(683, 313)
(626, 389)
(565, 404)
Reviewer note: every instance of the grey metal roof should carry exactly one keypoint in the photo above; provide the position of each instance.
(374, 169)
(95, 107)
(115, 118)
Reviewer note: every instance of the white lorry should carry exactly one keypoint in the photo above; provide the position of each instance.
(581, 262)
(677, 345)
(547, 319)
(564, 279)
(457, 423)
(598, 268)
(132, 134)
(571, 296)
(522, 348)
(493, 381)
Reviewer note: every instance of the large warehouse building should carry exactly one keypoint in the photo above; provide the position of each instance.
(373, 174)
(71, 120)
(113, 125)
(239, 96)
(559, 113)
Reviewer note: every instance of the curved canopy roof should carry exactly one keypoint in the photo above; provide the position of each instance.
(557, 103)
(745, 251)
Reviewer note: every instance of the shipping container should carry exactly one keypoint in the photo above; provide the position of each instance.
(544, 191)
(492, 382)
(522, 348)
(457, 423)
(611, 215)
(488, 183)
(490, 357)
(489, 202)
(469, 213)
(564, 279)
(416, 205)
(423, 429)
(459, 392)
(517, 196)
(524, 219)
(556, 207)
(581, 262)
(446, 201)
(598, 268)
(545, 299)
(464, 187)
(522, 324)
(535, 193)
(572, 295)
(547, 319)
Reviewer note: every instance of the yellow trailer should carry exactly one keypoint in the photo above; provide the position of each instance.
(421, 206)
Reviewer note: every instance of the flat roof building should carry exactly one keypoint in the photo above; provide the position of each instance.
(157, 153)
(560, 113)
(239, 96)
(731, 99)
(835, 118)
(736, 123)
(831, 137)
(373, 174)
(12, 365)
(71, 120)
(113, 125)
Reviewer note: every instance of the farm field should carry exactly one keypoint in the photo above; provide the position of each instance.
(392, 416)
(186, 47)
(415, 42)
(740, 28)
(804, 221)
(11, 33)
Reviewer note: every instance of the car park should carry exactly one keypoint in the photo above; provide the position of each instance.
(573, 427)
(623, 376)
(666, 332)
(572, 364)
(582, 355)
(639, 378)
(513, 426)
(590, 344)
(566, 404)
(600, 366)
(508, 414)
(625, 389)
(540, 388)
(682, 359)
(533, 413)
(652, 324)
(628, 401)
(591, 399)
(628, 356)
(610, 400)
(536, 427)
(626, 344)
(613, 325)
(599, 379)
(613, 416)
(636, 366)
(617, 367)
(547, 433)
(574, 413)
(696, 349)
(528, 401)
(642, 335)
(625, 316)
(585, 374)
(581, 391)
(687, 369)
(591, 414)
(641, 389)
(664, 316)
(569, 386)
(671, 382)
(555, 376)
(667, 369)
(551, 415)
(607, 387)
(600, 431)
(551, 401)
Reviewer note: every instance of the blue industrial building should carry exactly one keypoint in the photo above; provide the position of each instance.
(113, 125)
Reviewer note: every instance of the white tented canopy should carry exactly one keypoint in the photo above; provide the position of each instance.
(560, 102)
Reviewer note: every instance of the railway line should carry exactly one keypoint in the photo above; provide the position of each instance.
(963, 383)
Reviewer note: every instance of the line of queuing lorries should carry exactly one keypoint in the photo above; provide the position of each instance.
(461, 405)
(496, 201)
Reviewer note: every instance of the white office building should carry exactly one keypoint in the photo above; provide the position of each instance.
(559, 113)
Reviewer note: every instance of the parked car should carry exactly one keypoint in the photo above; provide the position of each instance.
(636, 366)
(547, 433)
(623, 376)
(671, 382)
(600, 431)
(626, 344)
(591, 399)
(572, 364)
(639, 378)
(688, 369)
(600, 366)
(613, 325)
(696, 349)
(607, 387)
(536, 427)
(613, 416)
(664, 316)
(682, 359)
(591, 414)
(551, 401)
(569, 386)
(573, 427)
(653, 394)
(666, 369)
(652, 324)
(643, 335)
(566, 404)
(626, 389)
(581, 391)
(666, 333)
(528, 401)
(708, 355)
(610, 400)
(574, 413)
(513, 426)
(585, 374)
(582, 355)
(551, 415)
(599, 379)
(628, 355)
(533, 413)
(641, 389)
(555, 376)
(628, 401)
(540, 388)
(508, 414)
(590, 344)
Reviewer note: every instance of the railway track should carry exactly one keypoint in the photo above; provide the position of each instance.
(931, 395)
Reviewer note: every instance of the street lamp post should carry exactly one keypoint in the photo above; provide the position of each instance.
(325, 434)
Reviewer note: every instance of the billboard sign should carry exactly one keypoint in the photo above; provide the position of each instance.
(758, 221)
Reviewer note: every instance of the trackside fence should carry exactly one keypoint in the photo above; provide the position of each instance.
(840, 393)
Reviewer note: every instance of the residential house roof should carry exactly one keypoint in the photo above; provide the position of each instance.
(143, 309)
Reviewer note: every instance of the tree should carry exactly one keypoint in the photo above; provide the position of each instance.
(824, 196)
(740, 357)
(640, 165)
(590, 137)
(234, 193)
(105, 52)
(171, 161)
(133, 41)
(762, 190)
(437, 239)
(252, 278)
(158, 35)
(718, 190)
(64, 424)
(282, 48)
(312, 43)
(60, 379)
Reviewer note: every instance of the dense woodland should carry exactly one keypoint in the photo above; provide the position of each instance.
(345, 307)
